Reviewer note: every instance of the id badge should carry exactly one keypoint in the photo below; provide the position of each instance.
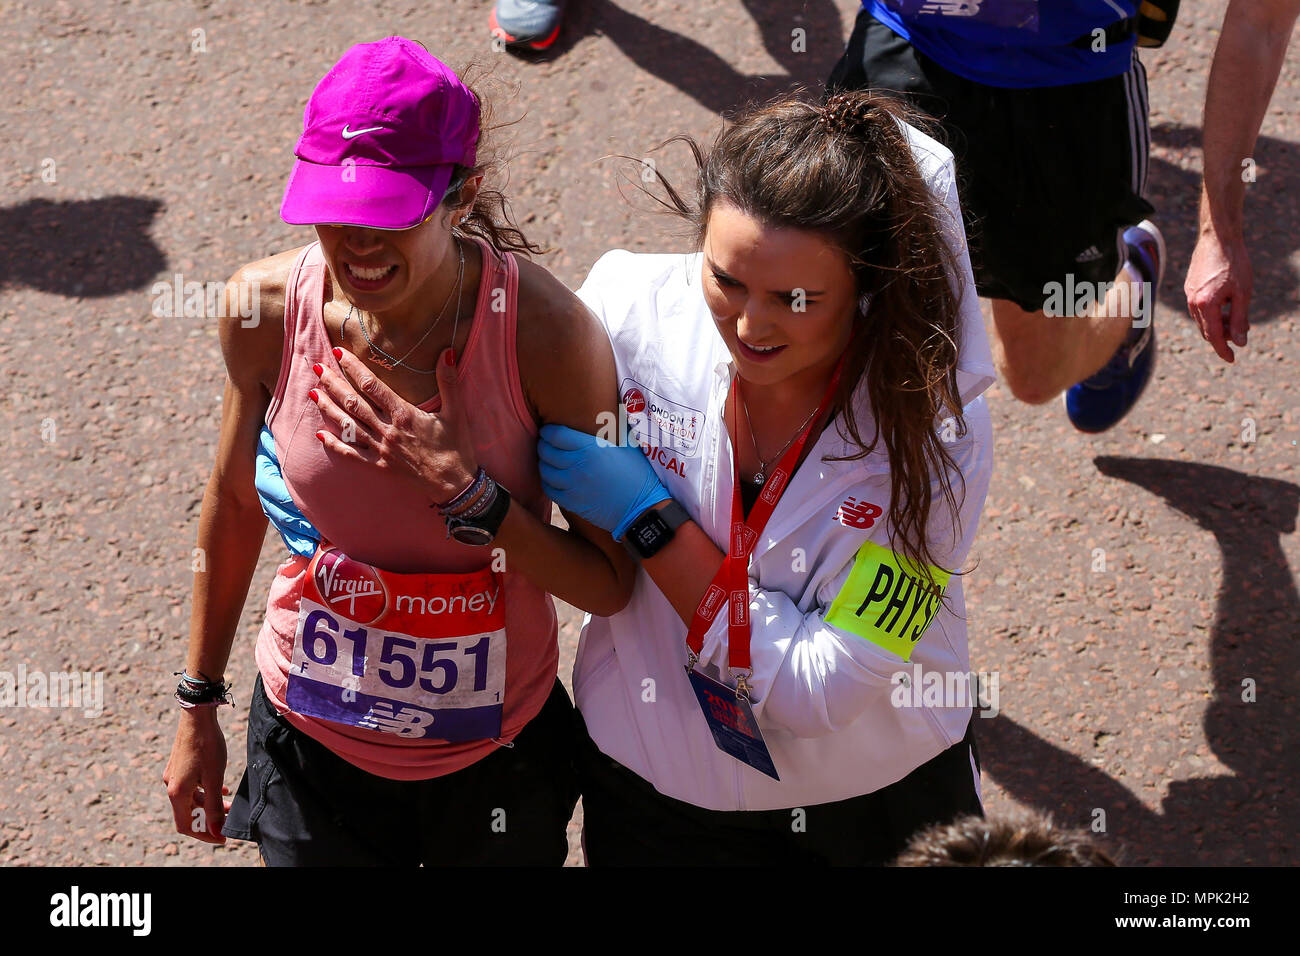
(413, 655)
(731, 721)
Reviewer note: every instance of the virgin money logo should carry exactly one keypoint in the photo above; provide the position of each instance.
(742, 540)
(350, 587)
(634, 400)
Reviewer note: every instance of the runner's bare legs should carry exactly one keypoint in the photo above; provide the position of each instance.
(1039, 356)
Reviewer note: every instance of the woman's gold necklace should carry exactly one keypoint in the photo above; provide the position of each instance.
(383, 359)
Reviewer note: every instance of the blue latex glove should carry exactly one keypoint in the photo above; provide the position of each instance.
(299, 535)
(609, 485)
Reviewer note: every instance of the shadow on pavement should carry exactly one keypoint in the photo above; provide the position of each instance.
(1248, 817)
(84, 247)
(709, 79)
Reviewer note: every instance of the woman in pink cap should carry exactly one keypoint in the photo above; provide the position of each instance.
(407, 709)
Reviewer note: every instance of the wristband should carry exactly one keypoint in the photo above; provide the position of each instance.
(467, 495)
(480, 505)
(195, 692)
(480, 527)
(483, 491)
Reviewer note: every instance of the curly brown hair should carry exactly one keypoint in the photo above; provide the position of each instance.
(846, 171)
(1021, 839)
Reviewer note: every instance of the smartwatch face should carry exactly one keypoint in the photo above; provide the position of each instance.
(649, 530)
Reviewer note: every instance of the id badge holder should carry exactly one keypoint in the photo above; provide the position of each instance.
(731, 721)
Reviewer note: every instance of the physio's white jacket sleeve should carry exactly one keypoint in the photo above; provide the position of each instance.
(809, 677)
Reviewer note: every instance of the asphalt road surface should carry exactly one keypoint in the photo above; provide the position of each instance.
(1135, 593)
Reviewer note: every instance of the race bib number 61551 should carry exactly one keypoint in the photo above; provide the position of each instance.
(416, 655)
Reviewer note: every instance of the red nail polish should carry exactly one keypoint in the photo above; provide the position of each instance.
(313, 395)
(316, 368)
(451, 356)
(320, 435)
(338, 353)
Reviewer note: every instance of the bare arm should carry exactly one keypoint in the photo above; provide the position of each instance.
(684, 567)
(567, 366)
(1246, 65)
(231, 529)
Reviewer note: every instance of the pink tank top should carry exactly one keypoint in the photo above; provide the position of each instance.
(385, 521)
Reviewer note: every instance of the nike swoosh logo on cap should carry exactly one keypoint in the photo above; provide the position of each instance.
(351, 134)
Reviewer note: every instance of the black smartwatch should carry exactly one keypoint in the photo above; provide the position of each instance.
(648, 534)
(483, 527)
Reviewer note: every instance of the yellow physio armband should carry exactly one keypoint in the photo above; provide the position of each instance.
(886, 600)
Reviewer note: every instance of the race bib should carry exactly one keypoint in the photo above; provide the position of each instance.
(416, 655)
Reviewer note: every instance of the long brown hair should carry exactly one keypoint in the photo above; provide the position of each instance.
(846, 171)
(490, 217)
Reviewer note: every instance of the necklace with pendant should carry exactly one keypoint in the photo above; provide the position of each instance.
(760, 477)
(382, 358)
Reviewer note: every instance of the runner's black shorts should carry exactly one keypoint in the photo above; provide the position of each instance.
(306, 806)
(627, 822)
(1049, 178)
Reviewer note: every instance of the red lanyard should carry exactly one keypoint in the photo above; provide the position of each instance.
(732, 580)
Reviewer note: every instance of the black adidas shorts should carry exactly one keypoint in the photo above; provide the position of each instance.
(1049, 178)
(306, 806)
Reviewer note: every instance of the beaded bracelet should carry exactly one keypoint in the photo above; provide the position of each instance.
(194, 692)
(466, 490)
(474, 503)
(466, 497)
(482, 504)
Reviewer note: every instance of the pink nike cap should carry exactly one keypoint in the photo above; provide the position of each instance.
(380, 136)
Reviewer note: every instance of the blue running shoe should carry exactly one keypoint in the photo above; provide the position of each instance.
(533, 24)
(1100, 401)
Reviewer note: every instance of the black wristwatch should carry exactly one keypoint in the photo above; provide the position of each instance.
(648, 534)
(483, 527)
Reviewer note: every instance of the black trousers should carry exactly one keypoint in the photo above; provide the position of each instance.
(306, 806)
(627, 822)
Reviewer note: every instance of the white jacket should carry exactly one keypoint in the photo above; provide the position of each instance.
(822, 691)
